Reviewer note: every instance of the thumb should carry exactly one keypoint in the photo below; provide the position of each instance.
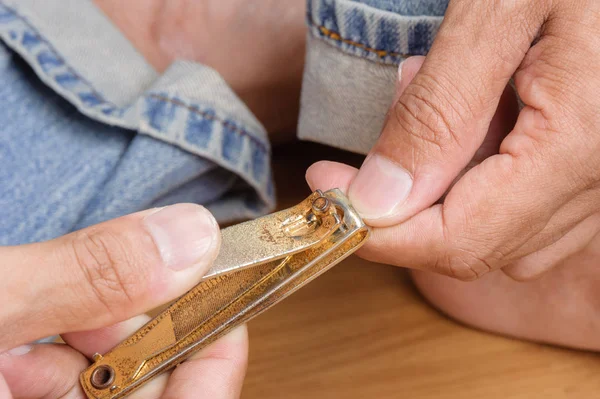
(442, 117)
(105, 273)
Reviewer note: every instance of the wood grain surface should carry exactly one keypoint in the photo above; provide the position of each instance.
(363, 331)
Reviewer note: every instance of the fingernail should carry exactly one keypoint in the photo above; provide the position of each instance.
(400, 71)
(380, 187)
(183, 233)
(19, 350)
(398, 91)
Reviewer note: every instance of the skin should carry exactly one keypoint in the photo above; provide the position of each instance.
(559, 307)
(504, 197)
(460, 184)
(497, 195)
(92, 287)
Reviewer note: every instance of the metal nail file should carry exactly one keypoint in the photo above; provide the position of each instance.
(260, 263)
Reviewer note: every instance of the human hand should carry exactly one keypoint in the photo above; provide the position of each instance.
(560, 307)
(93, 287)
(519, 196)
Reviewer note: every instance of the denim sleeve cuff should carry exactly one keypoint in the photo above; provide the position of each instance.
(353, 49)
(78, 53)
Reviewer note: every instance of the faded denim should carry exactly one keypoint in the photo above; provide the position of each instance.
(354, 47)
(90, 131)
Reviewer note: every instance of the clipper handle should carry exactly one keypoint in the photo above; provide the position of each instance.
(320, 232)
(201, 316)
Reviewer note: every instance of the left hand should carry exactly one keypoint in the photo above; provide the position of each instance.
(52, 370)
(519, 196)
(94, 287)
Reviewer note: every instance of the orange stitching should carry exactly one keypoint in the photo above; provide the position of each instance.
(337, 37)
(211, 117)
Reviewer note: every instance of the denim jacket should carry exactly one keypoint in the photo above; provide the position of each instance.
(89, 131)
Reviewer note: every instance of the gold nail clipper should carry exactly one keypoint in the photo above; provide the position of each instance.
(260, 263)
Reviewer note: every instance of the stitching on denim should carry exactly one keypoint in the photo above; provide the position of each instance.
(56, 53)
(336, 36)
(213, 117)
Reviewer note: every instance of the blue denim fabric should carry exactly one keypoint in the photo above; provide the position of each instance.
(385, 31)
(71, 155)
(409, 7)
(353, 49)
(71, 160)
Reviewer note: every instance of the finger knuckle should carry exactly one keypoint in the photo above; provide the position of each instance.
(427, 118)
(466, 265)
(543, 78)
(523, 274)
(106, 267)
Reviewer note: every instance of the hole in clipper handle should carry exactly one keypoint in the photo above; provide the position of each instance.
(102, 377)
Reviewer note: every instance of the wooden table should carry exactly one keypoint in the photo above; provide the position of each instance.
(363, 331)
